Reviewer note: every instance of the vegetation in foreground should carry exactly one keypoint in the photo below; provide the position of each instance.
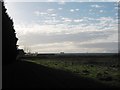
(107, 74)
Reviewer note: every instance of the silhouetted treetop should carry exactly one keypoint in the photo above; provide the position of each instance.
(9, 40)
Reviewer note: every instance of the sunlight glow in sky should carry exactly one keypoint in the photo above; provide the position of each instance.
(72, 27)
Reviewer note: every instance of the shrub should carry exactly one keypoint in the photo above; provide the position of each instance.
(104, 77)
(85, 72)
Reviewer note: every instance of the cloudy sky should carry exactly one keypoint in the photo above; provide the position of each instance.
(71, 27)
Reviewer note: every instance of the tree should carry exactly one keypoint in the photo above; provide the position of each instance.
(9, 40)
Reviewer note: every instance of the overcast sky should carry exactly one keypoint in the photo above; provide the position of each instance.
(71, 27)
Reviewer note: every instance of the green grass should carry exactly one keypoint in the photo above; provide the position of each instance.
(104, 74)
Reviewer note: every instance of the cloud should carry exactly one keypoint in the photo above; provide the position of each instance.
(57, 29)
(54, 47)
(60, 8)
(101, 11)
(53, 15)
(103, 24)
(56, 26)
(50, 34)
(43, 13)
(105, 46)
(38, 13)
(66, 19)
(78, 20)
(50, 10)
(96, 6)
(85, 34)
(51, 0)
(75, 47)
(90, 10)
(62, 2)
(77, 9)
(72, 10)
(116, 8)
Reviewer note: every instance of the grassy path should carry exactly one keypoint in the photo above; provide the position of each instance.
(23, 74)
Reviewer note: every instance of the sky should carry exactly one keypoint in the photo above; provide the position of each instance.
(70, 27)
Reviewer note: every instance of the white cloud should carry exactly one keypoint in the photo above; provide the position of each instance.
(116, 8)
(96, 6)
(64, 47)
(116, 14)
(51, 38)
(57, 34)
(66, 19)
(78, 20)
(60, 8)
(68, 47)
(101, 11)
(55, 47)
(62, 2)
(105, 24)
(37, 13)
(72, 10)
(108, 22)
(53, 15)
(51, 0)
(90, 10)
(77, 9)
(43, 13)
(50, 10)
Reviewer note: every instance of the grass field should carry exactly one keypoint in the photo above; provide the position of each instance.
(103, 70)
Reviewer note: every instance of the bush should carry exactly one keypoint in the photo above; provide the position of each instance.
(104, 77)
(85, 72)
